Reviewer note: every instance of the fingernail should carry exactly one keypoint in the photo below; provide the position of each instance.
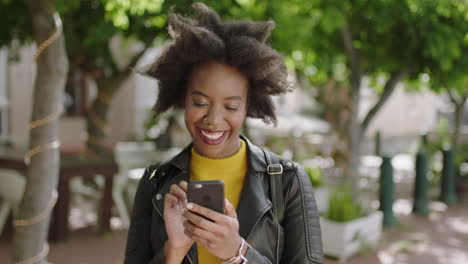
(190, 206)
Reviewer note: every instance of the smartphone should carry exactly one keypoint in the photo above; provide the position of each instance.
(209, 194)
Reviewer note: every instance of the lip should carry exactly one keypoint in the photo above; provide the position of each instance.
(209, 141)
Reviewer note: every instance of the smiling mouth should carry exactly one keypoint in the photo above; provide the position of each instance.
(212, 137)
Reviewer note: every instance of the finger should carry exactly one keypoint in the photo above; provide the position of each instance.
(195, 230)
(178, 192)
(199, 240)
(230, 211)
(208, 213)
(200, 221)
(170, 200)
(183, 185)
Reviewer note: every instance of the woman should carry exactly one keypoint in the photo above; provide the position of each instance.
(220, 73)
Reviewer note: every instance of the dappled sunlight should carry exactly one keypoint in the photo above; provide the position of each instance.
(436, 206)
(419, 237)
(437, 210)
(454, 242)
(458, 224)
(410, 250)
(434, 217)
(396, 253)
(403, 206)
(439, 238)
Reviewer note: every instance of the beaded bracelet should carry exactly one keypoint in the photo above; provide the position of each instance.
(239, 256)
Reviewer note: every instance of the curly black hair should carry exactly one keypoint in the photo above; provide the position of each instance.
(239, 44)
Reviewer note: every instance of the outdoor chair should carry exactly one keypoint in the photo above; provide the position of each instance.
(129, 155)
(11, 191)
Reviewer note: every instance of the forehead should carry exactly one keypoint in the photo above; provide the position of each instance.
(213, 79)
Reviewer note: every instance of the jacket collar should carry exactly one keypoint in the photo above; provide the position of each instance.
(253, 202)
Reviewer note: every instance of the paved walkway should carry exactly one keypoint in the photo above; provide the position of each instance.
(441, 238)
(83, 247)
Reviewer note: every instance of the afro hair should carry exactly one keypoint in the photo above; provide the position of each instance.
(239, 44)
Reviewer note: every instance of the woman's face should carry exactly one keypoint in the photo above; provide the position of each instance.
(215, 109)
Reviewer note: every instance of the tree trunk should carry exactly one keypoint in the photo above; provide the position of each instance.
(357, 129)
(389, 87)
(97, 125)
(458, 116)
(352, 154)
(42, 172)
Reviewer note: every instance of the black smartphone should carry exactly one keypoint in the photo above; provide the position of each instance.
(209, 194)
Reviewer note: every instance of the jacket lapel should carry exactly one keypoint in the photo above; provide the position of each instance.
(253, 202)
(158, 198)
(252, 205)
(181, 163)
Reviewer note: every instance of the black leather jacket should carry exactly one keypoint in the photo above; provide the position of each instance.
(299, 239)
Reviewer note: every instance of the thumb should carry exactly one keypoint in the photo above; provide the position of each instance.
(229, 208)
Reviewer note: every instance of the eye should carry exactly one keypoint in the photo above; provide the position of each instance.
(199, 104)
(231, 108)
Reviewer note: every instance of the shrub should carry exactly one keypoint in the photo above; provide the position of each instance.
(315, 176)
(342, 207)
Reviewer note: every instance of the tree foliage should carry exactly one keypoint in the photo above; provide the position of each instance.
(333, 44)
(387, 34)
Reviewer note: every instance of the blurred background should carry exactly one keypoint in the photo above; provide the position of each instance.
(378, 116)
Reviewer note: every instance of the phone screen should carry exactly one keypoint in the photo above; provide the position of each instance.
(209, 194)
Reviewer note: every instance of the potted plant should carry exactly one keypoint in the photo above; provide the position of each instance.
(321, 193)
(346, 228)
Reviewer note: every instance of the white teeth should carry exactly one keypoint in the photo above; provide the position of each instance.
(212, 136)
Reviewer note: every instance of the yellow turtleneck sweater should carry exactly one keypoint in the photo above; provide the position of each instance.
(231, 170)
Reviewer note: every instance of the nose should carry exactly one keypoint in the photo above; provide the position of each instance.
(213, 118)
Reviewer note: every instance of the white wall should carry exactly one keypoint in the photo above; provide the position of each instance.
(3, 94)
(406, 113)
(401, 120)
(146, 91)
(122, 112)
(21, 76)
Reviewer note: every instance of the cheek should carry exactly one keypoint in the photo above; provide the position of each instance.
(237, 121)
(190, 118)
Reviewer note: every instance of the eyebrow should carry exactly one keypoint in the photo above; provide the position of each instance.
(195, 92)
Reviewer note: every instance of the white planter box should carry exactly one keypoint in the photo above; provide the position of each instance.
(321, 198)
(342, 240)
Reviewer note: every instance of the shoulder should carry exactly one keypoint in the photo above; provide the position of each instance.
(289, 166)
(293, 172)
(158, 172)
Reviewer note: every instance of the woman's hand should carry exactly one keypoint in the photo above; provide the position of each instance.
(220, 237)
(174, 206)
